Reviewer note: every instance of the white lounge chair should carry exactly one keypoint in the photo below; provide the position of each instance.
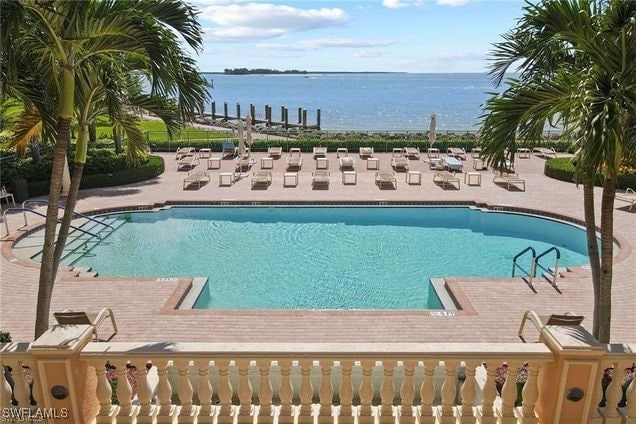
(366, 152)
(385, 177)
(545, 152)
(188, 162)
(629, 196)
(412, 152)
(274, 152)
(320, 178)
(453, 164)
(195, 177)
(243, 163)
(432, 152)
(228, 149)
(458, 152)
(398, 160)
(347, 163)
(540, 321)
(508, 179)
(320, 152)
(294, 159)
(261, 178)
(446, 177)
(184, 151)
(83, 318)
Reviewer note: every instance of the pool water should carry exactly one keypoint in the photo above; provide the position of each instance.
(325, 257)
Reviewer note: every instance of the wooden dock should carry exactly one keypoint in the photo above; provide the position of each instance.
(269, 120)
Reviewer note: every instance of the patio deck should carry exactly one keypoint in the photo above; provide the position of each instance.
(140, 304)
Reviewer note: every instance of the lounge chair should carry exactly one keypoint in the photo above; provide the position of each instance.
(385, 177)
(188, 162)
(475, 153)
(508, 179)
(320, 178)
(629, 196)
(83, 318)
(452, 163)
(185, 151)
(446, 177)
(228, 149)
(458, 152)
(274, 152)
(540, 321)
(320, 151)
(243, 163)
(294, 159)
(545, 152)
(261, 178)
(432, 152)
(398, 160)
(195, 177)
(412, 152)
(366, 152)
(347, 163)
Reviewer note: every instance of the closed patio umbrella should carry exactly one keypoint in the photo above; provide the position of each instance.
(431, 130)
(248, 127)
(241, 139)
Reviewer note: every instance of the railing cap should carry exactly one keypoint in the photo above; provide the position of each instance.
(570, 338)
(62, 339)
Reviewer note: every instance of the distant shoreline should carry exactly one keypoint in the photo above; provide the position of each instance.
(306, 73)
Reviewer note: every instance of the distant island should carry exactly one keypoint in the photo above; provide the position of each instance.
(245, 71)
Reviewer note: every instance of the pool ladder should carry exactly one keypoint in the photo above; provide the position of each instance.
(534, 264)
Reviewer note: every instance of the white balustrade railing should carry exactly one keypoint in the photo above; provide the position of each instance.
(316, 383)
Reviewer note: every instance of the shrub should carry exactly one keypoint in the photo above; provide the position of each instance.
(563, 169)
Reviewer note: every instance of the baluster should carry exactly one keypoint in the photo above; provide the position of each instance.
(614, 392)
(147, 411)
(104, 394)
(5, 389)
(596, 416)
(187, 412)
(427, 393)
(21, 391)
(486, 412)
(127, 412)
(167, 410)
(629, 412)
(35, 387)
(286, 391)
(325, 393)
(509, 395)
(225, 392)
(346, 393)
(530, 394)
(366, 393)
(306, 392)
(407, 393)
(466, 412)
(244, 393)
(449, 391)
(387, 392)
(265, 392)
(204, 392)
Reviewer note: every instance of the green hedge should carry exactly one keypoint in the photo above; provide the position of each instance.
(353, 144)
(153, 167)
(563, 169)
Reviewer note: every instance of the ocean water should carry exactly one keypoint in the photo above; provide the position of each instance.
(390, 101)
(325, 257)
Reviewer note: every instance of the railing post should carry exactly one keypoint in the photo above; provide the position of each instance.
(345, 415)
(629, 412)
(614, 393)
(225, 392)
(445, 412)
(286, 391)
(204, 392)
(466, 412)
(147, 411)
(167, 411)
(325, 393)
(365, 415)
(305, 392)
(265, 392)
(567, 384)
(127, 412)
(187, 413)
(509, 395)
(245, 410)
(387, 392)
(104, 395)
(427, 393)
(486, 412)
(530, 394)
(407, 393)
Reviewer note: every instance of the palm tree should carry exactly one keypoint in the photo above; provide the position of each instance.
(60, 40)
(576, 63)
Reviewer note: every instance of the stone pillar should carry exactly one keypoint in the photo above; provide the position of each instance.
(567, 385)
(62, 375)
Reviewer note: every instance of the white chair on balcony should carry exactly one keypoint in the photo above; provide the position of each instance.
(540, 321)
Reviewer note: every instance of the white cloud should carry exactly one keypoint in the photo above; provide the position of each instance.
(368, 53)
(395, 4)
(452, 3)
(319, 43)
(265, 20)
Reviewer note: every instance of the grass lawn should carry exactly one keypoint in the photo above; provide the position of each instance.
(157, 131)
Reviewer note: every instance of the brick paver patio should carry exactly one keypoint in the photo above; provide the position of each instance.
(140, 304)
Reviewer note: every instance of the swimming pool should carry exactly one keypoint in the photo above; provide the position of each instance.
(325, 257)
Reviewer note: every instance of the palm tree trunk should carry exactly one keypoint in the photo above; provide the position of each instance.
(592, 247)
(117, 139)
(71, 201)
(47, 269)
(607, 258)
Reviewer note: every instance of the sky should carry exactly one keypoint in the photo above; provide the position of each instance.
(353, 35)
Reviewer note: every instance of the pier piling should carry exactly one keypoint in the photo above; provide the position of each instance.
(268, 120)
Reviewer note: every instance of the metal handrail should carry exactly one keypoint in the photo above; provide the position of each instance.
(556, 263)
(515, 265)
(63, 208)
(24, 210)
